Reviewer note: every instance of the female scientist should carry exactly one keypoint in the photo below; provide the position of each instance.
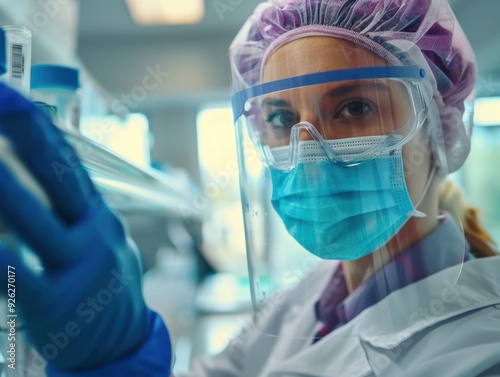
(358, 111)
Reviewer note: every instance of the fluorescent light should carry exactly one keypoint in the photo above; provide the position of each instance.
(487, 111)
(153, 12)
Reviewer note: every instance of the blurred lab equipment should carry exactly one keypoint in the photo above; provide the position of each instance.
(16, 49)
(58, 86)
(18, 52)
(128, 137)
(480, 177)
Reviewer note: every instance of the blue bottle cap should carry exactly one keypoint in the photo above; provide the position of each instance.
(3, 53)
(54, 76)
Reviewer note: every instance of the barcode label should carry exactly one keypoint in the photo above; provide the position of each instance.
(17, 66)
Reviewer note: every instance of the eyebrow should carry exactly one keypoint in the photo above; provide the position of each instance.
(276, 102)
(348, 88)
(332, 93)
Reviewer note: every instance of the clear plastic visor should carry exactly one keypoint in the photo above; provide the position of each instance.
(340, 210)
(329, 109)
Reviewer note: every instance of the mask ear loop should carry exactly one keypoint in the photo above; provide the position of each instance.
(415, 212)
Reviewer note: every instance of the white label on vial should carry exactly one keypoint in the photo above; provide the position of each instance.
(17, 65)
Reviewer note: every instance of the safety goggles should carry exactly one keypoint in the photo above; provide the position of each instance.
(324, 111)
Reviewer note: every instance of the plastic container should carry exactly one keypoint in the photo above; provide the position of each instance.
(58, 86)
(18, 57)
(129, 137)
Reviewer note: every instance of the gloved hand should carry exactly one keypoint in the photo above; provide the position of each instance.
(86, 308)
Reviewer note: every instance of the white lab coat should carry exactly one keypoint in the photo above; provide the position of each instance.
(451, 334)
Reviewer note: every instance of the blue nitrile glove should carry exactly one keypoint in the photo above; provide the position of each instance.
(86, 308)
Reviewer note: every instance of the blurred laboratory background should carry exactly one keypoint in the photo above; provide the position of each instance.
(153, 107)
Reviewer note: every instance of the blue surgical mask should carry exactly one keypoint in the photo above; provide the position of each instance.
(339, 212)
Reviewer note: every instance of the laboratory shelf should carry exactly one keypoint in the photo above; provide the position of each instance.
(129, 187)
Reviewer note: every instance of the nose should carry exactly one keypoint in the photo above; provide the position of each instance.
(304, 134)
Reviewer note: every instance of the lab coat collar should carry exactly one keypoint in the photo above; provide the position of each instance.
(421, 305)
(451, 292)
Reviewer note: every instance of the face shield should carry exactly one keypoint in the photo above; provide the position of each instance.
(336, 168)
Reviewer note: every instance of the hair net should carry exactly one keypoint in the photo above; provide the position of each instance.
(387, 28)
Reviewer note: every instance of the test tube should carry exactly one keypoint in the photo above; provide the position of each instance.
(18, 51)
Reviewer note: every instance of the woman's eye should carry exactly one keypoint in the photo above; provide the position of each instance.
(281, 119)
(354, 109)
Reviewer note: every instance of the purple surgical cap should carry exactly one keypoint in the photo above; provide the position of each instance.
(382, 26)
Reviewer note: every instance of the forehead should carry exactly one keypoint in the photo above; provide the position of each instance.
(316, 54)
